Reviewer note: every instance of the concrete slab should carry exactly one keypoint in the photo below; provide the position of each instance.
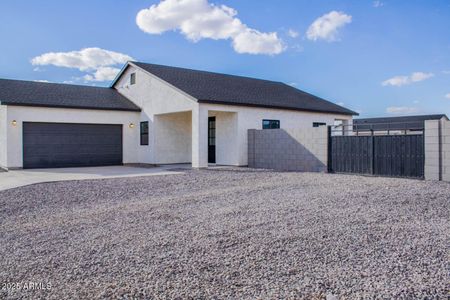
(18, 178)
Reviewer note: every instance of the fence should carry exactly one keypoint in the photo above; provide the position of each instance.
(382, 149)
(400, 152)
(437, 150)
(302, 149)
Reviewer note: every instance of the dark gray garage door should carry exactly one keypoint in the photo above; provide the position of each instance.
(58, 145)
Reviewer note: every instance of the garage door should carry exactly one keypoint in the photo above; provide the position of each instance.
(58, 145)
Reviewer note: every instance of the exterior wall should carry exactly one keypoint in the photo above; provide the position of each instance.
(226, 137)
(200, 137)
(251, 118)
(437, 150)
(446, 151)
(65, 115)
(432, 150)
(304, 149)
(3, 126)
(154, 97)
(173, 138)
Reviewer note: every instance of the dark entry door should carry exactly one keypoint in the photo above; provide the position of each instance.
(212, 140)
(58, 145)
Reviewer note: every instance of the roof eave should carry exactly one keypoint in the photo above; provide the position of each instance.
(349, 113)
(70, 106)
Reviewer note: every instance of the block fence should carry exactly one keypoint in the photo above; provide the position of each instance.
(303, 149)
(306, 149)
(437, 150)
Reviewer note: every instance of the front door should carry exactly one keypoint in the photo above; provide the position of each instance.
(212, 140)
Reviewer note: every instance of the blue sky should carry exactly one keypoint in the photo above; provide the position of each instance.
(377, 57)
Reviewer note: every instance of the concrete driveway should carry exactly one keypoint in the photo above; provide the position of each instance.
(18, 178)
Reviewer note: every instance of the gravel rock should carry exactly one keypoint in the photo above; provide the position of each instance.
(226, 233)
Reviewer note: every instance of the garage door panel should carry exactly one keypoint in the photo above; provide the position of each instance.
(80, 149)
(52, 145)
(55, 141)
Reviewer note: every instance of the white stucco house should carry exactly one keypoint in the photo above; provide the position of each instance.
(151, 114)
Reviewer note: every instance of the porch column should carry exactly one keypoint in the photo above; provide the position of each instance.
(199, 137)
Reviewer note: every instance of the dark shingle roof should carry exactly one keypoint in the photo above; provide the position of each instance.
(395, 123)
(30, 93)
(236, 90)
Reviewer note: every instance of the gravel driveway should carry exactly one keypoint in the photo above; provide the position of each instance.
(237, 234)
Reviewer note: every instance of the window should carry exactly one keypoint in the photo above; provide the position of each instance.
(271, 124)
(144, 133)
(318, 124)
(132, 78)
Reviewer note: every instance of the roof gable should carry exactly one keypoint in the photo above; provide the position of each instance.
(208, 87)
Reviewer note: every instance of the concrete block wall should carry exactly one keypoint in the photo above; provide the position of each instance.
(446, 150)
(303, 149)
(437, 150)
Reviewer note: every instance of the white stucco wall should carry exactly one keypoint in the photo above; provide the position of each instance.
(3, 143)
(62, 115)
(154, 97)
(226, 137)
(173, 135)
(251, 118)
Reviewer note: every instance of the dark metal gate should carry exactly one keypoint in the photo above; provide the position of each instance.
(394, 153)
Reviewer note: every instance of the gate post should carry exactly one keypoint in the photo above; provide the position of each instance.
(372, 161)
(432, 149)
(329, 160)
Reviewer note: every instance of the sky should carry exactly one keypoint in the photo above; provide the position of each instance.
(379, 58)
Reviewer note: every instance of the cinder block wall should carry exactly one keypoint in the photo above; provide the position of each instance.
(432, 150)
(437, 150)
(446, 151)
(304, 149)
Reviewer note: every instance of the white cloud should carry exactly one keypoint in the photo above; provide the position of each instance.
(96, 61)
(377, 4)
(401, 110)
(447, 96)
(255, 42)
(420, 76)
(198, 19)
(326, 27)
(102, 74)
(293, 34)
(407, 79)
(41, 80)
(396, 81)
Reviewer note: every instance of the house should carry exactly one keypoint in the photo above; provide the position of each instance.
(151, 114)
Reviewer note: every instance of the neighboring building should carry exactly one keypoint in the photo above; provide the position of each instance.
(151, 114)
(410, 124)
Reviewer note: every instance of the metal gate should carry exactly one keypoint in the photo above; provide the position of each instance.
(394, 153)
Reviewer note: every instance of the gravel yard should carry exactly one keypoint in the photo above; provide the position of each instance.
(237, 234)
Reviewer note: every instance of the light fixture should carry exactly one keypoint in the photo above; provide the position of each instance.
(131, 125)
(14, 123)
